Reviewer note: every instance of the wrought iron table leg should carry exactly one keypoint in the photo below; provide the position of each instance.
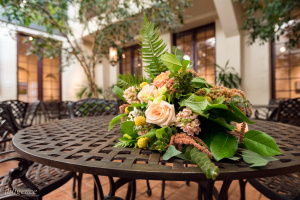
(133, 187)
(224, 190)
(149, 192)
(187, 183)
(99, 187)
(209, 190)
(243, 188)
(163, 185)
(128, 192)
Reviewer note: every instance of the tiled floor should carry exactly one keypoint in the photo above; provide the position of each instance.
(175, 190)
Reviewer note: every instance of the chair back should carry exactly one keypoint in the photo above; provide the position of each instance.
(18, 109)
(64, 109)
(6, 124)
(289, 111)
(7, 127)
(31, 113)
(93, 107)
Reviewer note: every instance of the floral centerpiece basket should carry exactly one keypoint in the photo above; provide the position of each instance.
(177, 111)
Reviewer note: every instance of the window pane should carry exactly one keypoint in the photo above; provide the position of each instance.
(206, 53)
(131, 61)
(27, 73)
(287, 72)
(51, 79)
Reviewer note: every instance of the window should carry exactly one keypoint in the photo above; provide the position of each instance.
(198, 45)
(131, 62)
(37, 79)
(285, 71)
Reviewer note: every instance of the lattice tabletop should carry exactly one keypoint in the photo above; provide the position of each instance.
(85, 145)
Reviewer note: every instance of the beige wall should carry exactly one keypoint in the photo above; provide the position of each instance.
(8, 65)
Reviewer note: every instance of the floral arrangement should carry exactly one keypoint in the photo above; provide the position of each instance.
(177, 111)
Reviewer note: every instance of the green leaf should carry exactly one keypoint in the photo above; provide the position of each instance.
(172, 63)
(255, 159)
(197, 104)
(152, 48)
(261, 143)
(239, 113)
(234, 158)
(219, 106)
(171, 152)
(177, 51)
(164, 132)
(219, 100)
(118, 91)
(150, 134)
(222, 122)
(204, 163)
(200, 82)
(128, 128)
(128, 80)
(115, 121)
(223, 146)
(185, 63)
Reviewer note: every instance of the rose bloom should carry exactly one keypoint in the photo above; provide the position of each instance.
(161, 79)
(148, 90)
(162, 114)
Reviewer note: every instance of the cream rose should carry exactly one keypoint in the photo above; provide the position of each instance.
(145, 92)
(162, 114)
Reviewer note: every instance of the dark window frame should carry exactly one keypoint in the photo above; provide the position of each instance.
(194, 32)
(40, 89)
(132, 48)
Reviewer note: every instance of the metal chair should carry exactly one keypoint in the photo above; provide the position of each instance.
(286, 186)
(35, 178)
(92, 107)
(289, 111)
(23, 113)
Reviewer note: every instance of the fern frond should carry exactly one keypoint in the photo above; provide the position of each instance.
(152, 48)
(128, 80)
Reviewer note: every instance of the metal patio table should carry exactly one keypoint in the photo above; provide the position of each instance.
(84, 145)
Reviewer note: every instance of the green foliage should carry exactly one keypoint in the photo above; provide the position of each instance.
(256, 160)
(119, 92)
(202, 161)
(228, 77)
(127, 127)
(115, 121)
(125, 142)
(261, 143)
(163, 136)
(183, 84)
(172, 152)
(268, 20)
(128, 80)
(172, 63)
(240, 102)
(150, 134)
(197, 104)
(86, 92)
(240, 114)
(200, 83)
(152, 49)
(223, 146)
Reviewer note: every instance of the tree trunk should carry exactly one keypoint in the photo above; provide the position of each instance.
(93, 87)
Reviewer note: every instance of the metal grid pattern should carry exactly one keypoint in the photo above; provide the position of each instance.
(85, 145)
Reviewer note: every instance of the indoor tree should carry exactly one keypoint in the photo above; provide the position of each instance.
(99, 23)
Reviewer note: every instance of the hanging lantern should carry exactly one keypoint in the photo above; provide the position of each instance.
(113, 56)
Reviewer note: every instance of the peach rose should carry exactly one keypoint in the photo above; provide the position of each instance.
(162, 114)
(161, 79)
(145, 92)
